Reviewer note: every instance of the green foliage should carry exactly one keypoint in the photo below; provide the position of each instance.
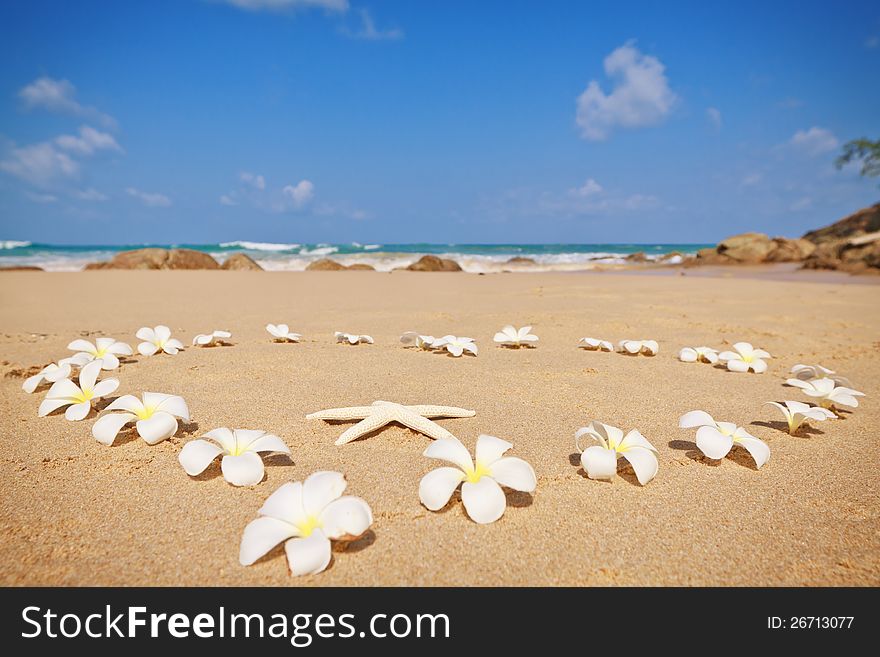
(864, 150)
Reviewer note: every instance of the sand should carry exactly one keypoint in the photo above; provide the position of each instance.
(75, 512)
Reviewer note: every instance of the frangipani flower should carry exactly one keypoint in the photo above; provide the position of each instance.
(157, 339)
(698, 354)
(52, 372)
(424, 342)
(105, 349)
(481, 493)
(827, 392)
(594, 344)
(307, 516)
(512, 337)
(210, 339)
(809, 372)
(352, 338)
(716, 439)
(745, 358)
(78, 398)
(455, 345)
(600, 461)
(281, 333)
(796, 413)
(646, 347)
(241, 463)
(156, 417)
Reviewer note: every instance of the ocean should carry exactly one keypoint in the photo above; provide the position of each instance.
(384, 257)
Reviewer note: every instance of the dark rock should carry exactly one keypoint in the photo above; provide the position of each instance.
(324, 264)
(433, 263)
(866, 220)
(521, 260)
(154, 258)
(240, 262)
(22, 268)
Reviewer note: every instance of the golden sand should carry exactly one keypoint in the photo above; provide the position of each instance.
(76, 512)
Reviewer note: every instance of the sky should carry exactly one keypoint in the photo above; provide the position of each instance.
(203, 121)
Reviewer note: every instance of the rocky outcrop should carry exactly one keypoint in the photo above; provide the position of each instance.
(326, 264)
(866, 220)
(22, 268)
(755, 248)
(638, 256)
(240, 262)
(433, 263)
(154, 258)
(856, 255)
(520, 260)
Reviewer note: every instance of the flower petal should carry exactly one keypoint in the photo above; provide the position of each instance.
(109, 362)
(157, 427)
(451, 450)
(643, 461)
(162, 333)
(120, 349)
(687, 355)
(514, 473)
(268, 443)
(89, 374)
(260, 536)
(286, 504)
(173, 404)
(146, 333)
(759, 450)
(321, 488)
(758, 366)
(490, 449)
(48, 405)
(30, 384)
(736, 365)
(713, 443)
(63, 389)
(197, 455)
(224, 437)
(483, 500)
(437, 487)
(128, 403)
(105, 387)
(82, 345)
(78, 411)
(346, 518)
(108, 426)
(309, 555)
(599, 463)
(695, 419)
(147, 348)
(243, 470)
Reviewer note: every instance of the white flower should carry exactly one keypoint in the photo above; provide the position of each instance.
(310, 515)
(796, 413)
(594, 344)
(810, 372)
(241, 463)
(52, 372)
(481, 493)
(157, 339)
(646, 347)
(827, 392)
(281, 333)
(698, 354)
(745, 358)
(455, 345)
(210, 339)
(105, 349)
(352, 338)
(424, 342)
(156, 417)
(600, 461)
(78, 398)
(512, 337)
(716, 439)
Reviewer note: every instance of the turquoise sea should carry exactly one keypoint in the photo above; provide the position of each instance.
(384, 257)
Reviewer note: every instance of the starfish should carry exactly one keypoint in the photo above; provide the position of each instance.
(381, 413)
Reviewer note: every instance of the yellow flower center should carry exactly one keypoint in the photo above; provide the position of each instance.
(99, 353)
(473, 475)
(84, 396)
(308, 526)
(145, 413)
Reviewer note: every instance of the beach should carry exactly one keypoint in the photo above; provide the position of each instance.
(76, 512)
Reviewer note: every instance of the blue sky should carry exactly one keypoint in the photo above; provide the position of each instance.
(339, 120)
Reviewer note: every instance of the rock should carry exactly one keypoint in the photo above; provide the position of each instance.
(747, 247)
(521, 260)
(22, 268)
(790, 250)
(857, 255)
(866, 220)
(154, 258)
(361, 266)
(710, 257)
(433, 263)
(325, 264)
(240, 262)
(638, 256)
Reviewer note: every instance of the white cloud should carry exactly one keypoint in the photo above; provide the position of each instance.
(814, 141)
(283, 5)
(714, 116)
(226, 199)
(90, 194)
(299, 194)
(39, 164)
(804, 203)
(751, 179)
(41, 198)
(589, 188)
(152, 200)
(640, 96)
(253, 180)
(88, 141)
(59, 96)
(369, 32)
